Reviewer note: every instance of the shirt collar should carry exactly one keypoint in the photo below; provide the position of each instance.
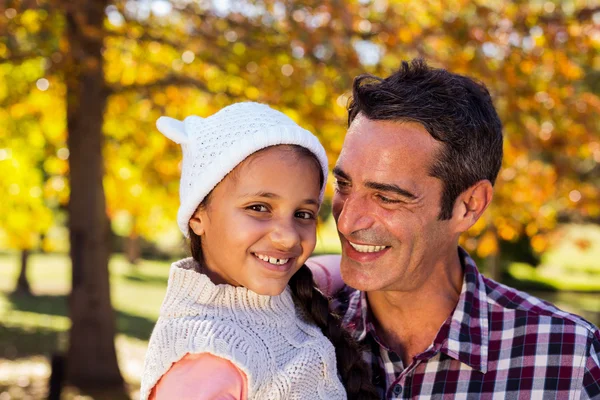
(465, 334)
(467, 338)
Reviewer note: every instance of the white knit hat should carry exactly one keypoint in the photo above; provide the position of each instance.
(213, 146)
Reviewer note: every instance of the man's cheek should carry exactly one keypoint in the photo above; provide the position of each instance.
(336, 206)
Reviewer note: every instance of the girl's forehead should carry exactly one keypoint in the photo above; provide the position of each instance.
(273, 157)
(275, 169)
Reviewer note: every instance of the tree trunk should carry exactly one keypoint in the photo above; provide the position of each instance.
(132, 249)
(493, 266)
(492, 262)
(22, 286)
(91, 358)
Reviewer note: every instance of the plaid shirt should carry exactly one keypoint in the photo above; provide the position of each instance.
(498, 343)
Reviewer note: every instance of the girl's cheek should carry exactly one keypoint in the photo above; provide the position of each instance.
(309, 235)
(252, 225)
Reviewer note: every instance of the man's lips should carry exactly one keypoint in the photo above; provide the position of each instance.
(362, 252)
(366, 248)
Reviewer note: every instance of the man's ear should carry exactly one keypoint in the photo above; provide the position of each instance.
(471, 203)
(197, 222)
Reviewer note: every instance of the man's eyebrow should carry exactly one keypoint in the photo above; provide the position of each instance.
(339, 172)
(269, 195)
(390, 187)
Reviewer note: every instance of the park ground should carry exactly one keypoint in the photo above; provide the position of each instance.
(34, 328)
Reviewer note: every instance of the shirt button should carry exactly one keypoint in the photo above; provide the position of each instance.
(397, 389)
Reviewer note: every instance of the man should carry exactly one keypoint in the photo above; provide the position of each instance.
(416, 170)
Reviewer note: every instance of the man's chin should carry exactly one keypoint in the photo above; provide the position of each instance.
(358, 276)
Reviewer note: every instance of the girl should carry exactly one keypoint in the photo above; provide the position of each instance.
(241, 318)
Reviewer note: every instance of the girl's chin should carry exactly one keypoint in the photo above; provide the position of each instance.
(267, 286)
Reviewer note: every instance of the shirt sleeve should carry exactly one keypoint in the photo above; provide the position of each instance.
(326, 273)
(591, 375)
(201, 377)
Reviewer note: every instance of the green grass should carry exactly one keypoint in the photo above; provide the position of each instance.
(576, 249)
(33, 328)
(571, 264)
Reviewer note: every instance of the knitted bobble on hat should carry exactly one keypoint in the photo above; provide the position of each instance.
(213, 146)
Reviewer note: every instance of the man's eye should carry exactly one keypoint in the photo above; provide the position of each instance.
(387, 199)
(341, 184)
(257, 208)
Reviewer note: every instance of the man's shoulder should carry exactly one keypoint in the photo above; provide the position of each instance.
(525, 309)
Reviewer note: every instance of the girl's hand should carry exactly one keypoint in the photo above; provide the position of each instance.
(201, 377)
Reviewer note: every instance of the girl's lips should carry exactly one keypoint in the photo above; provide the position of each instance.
(275, 254)
(285, 267)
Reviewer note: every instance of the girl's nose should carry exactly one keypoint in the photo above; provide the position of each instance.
(285, 234)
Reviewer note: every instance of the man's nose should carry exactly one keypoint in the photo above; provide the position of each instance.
(353, 214)
(285, 234)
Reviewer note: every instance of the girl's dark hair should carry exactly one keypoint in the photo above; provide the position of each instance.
(353, 370)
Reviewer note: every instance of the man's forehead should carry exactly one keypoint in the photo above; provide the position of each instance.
(363, 128)
(390, 140)
(388, 152)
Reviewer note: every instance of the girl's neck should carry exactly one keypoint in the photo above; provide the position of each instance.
(214, 276)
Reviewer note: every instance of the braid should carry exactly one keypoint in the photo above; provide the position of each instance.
(353, 370)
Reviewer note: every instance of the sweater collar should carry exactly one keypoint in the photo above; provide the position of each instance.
(189, 292)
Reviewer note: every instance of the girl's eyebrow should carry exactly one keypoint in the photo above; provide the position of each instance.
(270, 195)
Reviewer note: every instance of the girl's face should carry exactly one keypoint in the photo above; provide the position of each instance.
(259, 225)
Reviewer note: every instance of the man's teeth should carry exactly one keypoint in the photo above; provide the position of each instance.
(362, 248)
(272, 260)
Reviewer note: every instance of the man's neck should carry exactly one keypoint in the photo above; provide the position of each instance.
(409, 321)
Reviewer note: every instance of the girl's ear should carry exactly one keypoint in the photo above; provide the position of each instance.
(197, 223)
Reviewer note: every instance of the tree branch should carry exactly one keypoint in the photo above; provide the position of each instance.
(170, 80)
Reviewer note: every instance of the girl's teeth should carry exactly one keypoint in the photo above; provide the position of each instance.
(361, 248)
(272, 260)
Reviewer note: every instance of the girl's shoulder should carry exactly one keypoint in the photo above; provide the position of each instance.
(326, 273)
(201, 376)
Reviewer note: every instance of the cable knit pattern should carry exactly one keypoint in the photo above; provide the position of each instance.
(283, 356)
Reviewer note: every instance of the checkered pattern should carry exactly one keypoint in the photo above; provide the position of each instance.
(499, 343)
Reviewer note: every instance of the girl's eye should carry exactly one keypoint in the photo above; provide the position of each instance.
(257, 208)
(304, 215)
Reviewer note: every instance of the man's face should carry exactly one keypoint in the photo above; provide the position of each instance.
(386, 206)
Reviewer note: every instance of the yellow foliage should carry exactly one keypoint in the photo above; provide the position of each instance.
(538, 77)
(488, 245)
(539, 243)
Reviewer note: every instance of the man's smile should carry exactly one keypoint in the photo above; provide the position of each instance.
(366, 248)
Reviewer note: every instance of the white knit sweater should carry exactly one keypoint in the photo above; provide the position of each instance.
(282, 356)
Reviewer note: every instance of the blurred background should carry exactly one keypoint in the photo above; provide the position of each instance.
(88, 187)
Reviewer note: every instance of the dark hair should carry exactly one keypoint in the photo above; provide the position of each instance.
(353, 370)
(456, 111)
